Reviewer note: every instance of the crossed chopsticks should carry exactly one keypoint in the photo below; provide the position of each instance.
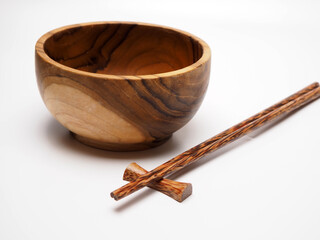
(140, 178)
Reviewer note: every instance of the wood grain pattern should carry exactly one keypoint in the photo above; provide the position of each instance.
(288, 105)
(122, 86)
(179, 191)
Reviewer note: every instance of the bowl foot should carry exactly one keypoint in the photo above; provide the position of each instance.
(119, 147)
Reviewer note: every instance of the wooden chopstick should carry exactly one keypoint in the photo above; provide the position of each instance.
(285, 106)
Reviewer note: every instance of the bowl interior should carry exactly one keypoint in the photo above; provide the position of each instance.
(123, 49)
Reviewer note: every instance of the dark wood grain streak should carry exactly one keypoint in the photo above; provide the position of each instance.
(288, 105)
(90, 46)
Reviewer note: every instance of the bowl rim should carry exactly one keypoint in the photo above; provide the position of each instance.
(39, 48)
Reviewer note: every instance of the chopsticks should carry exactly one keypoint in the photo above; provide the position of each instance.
(192, 155)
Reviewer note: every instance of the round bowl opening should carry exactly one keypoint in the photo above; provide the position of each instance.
(123, 49)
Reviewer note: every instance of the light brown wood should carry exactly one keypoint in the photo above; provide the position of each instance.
(122, 86)
(179, 191)
(194, 154)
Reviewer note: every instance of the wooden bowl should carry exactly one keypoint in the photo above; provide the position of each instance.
(122, 86)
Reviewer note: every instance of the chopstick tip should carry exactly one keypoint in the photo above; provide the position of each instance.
(113, 196)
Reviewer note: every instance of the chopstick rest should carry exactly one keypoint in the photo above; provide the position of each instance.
(179, 191)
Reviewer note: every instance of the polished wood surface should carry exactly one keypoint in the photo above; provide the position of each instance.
(179, 191)
(122, 86)
(286, 106)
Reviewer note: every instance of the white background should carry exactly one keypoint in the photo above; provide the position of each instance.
(265, 186)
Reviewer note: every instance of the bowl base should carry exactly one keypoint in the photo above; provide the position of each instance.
(119, 147)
